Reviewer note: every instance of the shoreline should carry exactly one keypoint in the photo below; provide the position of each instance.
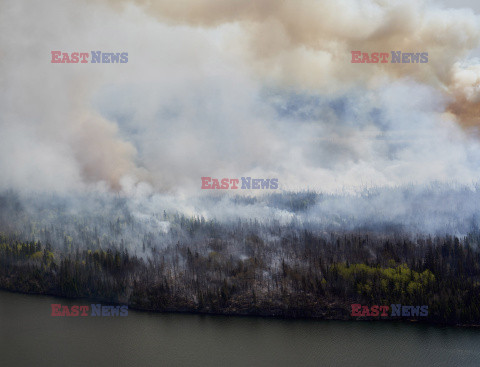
(263, 315)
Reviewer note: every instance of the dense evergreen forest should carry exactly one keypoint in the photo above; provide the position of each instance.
(171, 262)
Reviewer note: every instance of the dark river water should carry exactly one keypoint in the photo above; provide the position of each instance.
(30, 336)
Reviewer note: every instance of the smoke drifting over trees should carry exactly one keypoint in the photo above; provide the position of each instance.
(248, 89)
(246, 267)
(101, 164)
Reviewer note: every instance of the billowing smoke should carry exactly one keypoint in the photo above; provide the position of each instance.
(307, 43)
(239, 88)
(465, 88)
(51, 138)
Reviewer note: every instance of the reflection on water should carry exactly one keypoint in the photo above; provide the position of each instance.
(29, 336)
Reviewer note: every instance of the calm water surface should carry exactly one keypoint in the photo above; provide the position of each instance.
(29, 336)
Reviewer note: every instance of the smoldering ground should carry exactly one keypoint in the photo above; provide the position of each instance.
(80, 222)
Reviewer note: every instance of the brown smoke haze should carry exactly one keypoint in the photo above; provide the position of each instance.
(236, 88)
(465, 89)
(307, 43)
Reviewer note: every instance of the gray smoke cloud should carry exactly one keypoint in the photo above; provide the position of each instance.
(307, 43)
(231, 89)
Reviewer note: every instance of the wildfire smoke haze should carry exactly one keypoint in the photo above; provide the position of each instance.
(238, 89)
(284, 158)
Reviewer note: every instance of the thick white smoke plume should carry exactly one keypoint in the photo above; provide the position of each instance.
(236, 88)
